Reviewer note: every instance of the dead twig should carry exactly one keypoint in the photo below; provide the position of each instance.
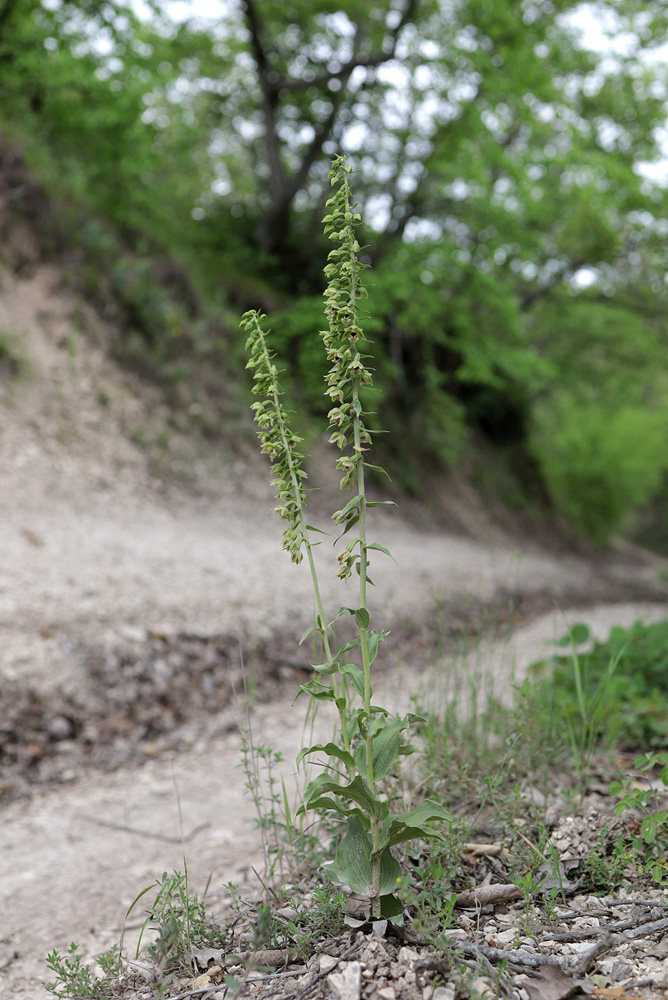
(648, 928)
(164, 838)
(590, 932)
(524, 958)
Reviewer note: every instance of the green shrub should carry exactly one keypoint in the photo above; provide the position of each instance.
(599, 463)
(618, 690)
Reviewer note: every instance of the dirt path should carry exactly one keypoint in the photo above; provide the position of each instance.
(72, 858)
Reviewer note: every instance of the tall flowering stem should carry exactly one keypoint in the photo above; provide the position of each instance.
(371, 741)
(279, 441)
(348, 375)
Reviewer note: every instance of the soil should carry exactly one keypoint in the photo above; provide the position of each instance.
(134, 581)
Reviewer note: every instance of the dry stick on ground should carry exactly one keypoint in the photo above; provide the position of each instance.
(566, 964)
(217, 987)
(164, 838)
(563, 962)
(650, 928)
(643, 921)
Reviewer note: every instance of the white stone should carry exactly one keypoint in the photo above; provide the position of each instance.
(446, 992)
(347, 984)
(482, 986)
(504, 938)
(326, 962)
(387, 993)
(407, 955)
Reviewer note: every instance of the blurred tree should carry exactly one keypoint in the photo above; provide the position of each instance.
(502, 167)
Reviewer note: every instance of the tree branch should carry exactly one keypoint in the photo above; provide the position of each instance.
(357, 60)
(269, 101)
(5, 13)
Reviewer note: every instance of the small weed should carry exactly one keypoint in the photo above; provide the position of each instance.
(181, 922)
(603, 871)
(322, 919)
(13, 364)
(425, 890)
(652, 843)
(75, 978)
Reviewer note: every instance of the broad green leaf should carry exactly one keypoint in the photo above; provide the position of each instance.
(578, 634)
(390, 872)
(326, 694)
(356, 791)
(352, 865)
(386, 747)
(331, 749)
(325, 668)
(411, 825)
(648, 829)
(373, 640)
(392, 909)
(343, 611)
(362, 618)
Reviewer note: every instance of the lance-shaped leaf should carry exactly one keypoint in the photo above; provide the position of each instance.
(373, 640)
(356, 791)
(356, 676)
(386, 748)
(331, 749)
(413, 824)
(381, 548)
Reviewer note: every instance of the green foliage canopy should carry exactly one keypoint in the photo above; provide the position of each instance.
(518, 244)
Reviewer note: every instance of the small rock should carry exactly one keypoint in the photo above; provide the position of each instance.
(504, 938)
(387, 993)
(407, 955)
(482, 986)
(614, 969)
(131, 633)
(458, 934)
(347, 984)
(326, 962)
(446, 992)
(428, 992)
(60, 728)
